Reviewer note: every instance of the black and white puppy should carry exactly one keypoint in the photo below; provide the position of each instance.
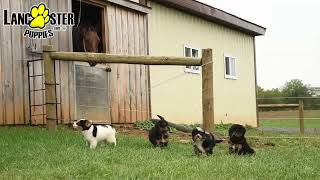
(159, 134)
(204, 142)
(238, 143)
(95, 133)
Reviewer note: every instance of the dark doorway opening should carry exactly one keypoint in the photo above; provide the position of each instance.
(88, 33)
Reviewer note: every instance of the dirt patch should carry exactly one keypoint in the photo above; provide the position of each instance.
(133, 131)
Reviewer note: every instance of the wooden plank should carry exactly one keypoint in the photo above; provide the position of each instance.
(207, 90)
(58, 88)
(8, 95)
(1, 69)
(301, 116)
(277, 105)
(51, 110)
(132, 69)
(24, 6)
(55, 43)
(125, 78)
(64, 69)
(120, 67)
(104, 30)
(148, 90)
(17, 68)
(45, 41)
(106, 49)
(138, 67)
(72, 92)
(111, 11)
(143, 68)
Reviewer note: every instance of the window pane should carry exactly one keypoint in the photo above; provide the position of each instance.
(188, 67)
(227, 65)
(194, 53)
(187, 52)
(233, 67)
(196, 67)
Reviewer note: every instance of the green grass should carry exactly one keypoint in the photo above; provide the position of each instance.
(34, 153)
(289, 123)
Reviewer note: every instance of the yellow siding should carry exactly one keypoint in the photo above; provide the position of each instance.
(179, 99)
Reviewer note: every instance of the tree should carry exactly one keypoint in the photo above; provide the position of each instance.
(268, 96)
(296, 88)
(293, 88)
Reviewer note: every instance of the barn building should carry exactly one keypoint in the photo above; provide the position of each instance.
(121, 93)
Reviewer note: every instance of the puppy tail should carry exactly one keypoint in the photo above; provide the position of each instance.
(161, 117)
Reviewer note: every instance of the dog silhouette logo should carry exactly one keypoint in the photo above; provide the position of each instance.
(40, 16)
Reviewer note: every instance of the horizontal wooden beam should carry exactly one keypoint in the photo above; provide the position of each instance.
(277, 105)
(122, 59)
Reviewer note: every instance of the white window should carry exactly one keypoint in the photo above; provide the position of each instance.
(195, 53)
(230, 67)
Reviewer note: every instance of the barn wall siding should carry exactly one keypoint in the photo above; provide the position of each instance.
(129, 85)
(127, 34)
(11, 71)
(15, 51)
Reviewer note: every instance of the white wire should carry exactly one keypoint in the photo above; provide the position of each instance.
(79, 15)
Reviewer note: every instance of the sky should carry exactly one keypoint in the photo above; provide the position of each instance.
(290, 49)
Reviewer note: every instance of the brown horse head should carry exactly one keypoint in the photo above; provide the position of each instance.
(86, 39)
(91, 40)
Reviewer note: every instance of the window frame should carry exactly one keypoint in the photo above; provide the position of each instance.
(227, 76)
(191, 70)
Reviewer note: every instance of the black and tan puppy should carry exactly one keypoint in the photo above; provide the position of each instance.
(159, 134)
(238, 143)
(204, 142)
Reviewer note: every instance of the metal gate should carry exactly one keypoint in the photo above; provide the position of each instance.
(36, 88)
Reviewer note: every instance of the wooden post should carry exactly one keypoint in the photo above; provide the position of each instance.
(50, 89)
(301, 116)
(207, 90)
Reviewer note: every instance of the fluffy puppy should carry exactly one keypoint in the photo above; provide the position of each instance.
(204, 142)
(159, 134)
(238, 143)
(95, 133)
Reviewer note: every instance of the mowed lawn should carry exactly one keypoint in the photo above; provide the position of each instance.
(34, 153)
(289, 123)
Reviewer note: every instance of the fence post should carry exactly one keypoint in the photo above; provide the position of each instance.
(50, 88)
(207, 90)
(301, 116)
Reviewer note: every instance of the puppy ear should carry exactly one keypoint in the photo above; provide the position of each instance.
(88, 123)
(199, 129)
(161, 117)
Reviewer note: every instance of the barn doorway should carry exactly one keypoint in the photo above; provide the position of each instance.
(88, 16)
(91, 83)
